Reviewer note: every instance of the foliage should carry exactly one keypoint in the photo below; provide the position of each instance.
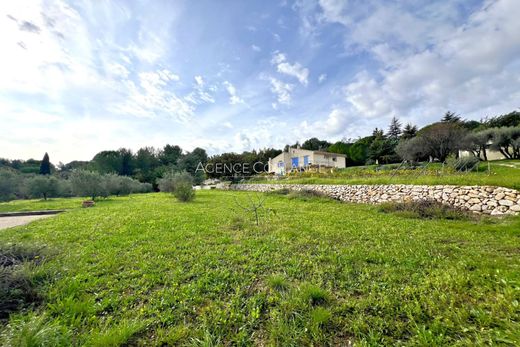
(180, 184)
(45, 166)
(511, 119)
(468, 163)
(427, 209)
(451, 117)
(394, 129)
(185, 276)
(478, 142)
(437, 141)
(87, 183)
(315, 144)
(409, 131)
(506, 141)
(43, 186)
(10, 184)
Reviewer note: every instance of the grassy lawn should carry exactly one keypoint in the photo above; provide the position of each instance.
(504, 173)
(54, 204)
(147, 270)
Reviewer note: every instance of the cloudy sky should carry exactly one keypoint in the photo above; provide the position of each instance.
(77, 77)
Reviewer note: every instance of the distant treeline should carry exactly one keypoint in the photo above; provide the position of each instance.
(398, 142)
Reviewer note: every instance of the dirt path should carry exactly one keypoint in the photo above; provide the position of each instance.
(9, 222)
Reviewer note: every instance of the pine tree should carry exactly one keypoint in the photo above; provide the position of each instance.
(378, 133)
(394, 130)
(451, 117)
(409, 131)
(45, 166)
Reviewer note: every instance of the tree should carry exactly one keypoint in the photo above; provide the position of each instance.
(87, 183)
(127, 162)
(10, 182)
(511, 119)
(394, 130)
(315, 144)
(107, 162)
(477, 143)
(146, 162)
(409, 131)
(451, 117)
(507, 141)
(45, 166)
(441, 139)
(170, 155)
(412, 149)
(190, 163)
(43, 186)
(378, 133)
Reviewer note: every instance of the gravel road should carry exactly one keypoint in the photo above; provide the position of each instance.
(9, 222)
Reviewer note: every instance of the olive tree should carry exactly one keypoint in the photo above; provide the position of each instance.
(506, 140)
(88, 183)
(43, 186)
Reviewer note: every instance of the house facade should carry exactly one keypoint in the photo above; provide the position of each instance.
(297, 159)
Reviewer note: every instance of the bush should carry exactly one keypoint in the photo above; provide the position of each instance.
(464, 163)
(180, 184)
(426, 209)
(307, 194)
(88, 183)
(10, 184)
(43, 186)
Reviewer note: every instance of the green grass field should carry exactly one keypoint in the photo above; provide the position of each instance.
(504, 173)
(147, 270)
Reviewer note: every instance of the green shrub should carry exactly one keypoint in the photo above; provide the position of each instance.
(307, 194)
(180, 184)
(426, 209)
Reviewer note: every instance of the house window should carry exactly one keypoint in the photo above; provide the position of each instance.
(334, 159)
(280, 164)
(306, 160)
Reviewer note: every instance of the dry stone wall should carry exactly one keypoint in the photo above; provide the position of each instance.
(479, 199)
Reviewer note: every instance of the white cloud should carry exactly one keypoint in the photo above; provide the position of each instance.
(256, 48)
(282, 90)
(295, 70)
(153, 96)
(322, 78)
(199, 80)
(436, 66)
(233, 97)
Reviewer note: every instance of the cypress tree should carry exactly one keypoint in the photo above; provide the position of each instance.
(45, 166)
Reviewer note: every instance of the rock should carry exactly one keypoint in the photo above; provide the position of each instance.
(499, 196)
(515, 208)
(476, 208)
(474, 201)
(496, 212)
(505, 203)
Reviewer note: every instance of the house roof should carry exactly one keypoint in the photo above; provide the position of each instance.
(330, 153)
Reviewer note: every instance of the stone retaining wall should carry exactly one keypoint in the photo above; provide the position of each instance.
(479, 199)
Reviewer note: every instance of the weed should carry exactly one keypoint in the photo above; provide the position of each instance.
(427, 209)
(278, 282)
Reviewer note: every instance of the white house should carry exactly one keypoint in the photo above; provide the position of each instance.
(297, 159)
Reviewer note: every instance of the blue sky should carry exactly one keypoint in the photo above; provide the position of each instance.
(82, 76)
